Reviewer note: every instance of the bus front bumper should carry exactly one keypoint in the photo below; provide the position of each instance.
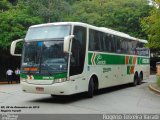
(63, 88)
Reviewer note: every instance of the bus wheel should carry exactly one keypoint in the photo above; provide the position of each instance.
(135, 81)
(140, 79)
(90, 88)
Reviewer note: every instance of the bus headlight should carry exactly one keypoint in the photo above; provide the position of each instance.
(59, 80)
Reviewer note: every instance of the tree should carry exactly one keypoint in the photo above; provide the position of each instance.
(13, 2)
(14, 21)
(151, 25)
(14, 24)
(49, 10)
(4, 5)
(156, 3)
(121, 15)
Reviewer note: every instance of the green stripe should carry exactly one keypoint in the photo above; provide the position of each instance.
(23, 76)
(108, 59)
(90, 58)
(143, 61)
(128, 70)
(102, 59)
(39, 77)
(131, 60)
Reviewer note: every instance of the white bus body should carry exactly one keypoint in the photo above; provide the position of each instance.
(91, 58)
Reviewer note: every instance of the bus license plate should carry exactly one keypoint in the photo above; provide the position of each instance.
(39, 89)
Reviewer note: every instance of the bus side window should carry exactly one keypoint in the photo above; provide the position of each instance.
(141, 50)
(126, 46)
(113, 43)
(101, 42)
(108, 41)
(97, 40)
(91, 40)
(130, 47)
(135, 48)
(105, 43)
(123, 46)
(94, 40)
(119, 48)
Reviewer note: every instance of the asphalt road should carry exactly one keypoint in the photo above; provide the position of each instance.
(120, 99)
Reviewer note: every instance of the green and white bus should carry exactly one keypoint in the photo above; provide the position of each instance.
(66, 58)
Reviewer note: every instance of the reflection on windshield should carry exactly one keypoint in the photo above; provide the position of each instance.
(47, 32)
(53, 60)
(47, 56)
(32, 54)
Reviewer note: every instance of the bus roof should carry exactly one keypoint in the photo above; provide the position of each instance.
(102, 29)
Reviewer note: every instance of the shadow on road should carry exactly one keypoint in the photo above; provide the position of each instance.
(80, 96)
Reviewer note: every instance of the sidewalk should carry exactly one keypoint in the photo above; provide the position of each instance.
(154, 87)
(5, 82)
(152, 84)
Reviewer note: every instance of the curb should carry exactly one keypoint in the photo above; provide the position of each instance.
(3, 83)
(150, 86)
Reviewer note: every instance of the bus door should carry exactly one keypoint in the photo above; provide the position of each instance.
(77, 59)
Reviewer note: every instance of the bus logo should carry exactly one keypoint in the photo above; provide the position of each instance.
(97, 59)
(30, 77)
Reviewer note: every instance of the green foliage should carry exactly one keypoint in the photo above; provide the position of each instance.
(151, 27)
(4, 5)
(14, 24)
(49, 10)
(121, 15)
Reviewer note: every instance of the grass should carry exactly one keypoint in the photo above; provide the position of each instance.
(158, 81)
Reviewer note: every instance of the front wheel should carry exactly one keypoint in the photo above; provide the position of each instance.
(140, 79)
(90, 88)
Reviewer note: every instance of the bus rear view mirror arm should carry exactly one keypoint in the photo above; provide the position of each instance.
(13, 47)
(67, 43)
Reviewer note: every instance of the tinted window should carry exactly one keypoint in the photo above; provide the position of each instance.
(107, 43)
(78, 50)
(119, 46)
(141, 50)
(113, 43)
(101, 41)
(95, 40)
(104, 42)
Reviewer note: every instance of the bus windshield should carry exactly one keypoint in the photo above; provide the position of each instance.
(44, 58)
(47, 32)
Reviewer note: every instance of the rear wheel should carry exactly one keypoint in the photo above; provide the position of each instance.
(90, 88)
(135, 81)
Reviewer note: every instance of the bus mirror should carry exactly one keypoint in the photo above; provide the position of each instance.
(13, 47)
(66, 44)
